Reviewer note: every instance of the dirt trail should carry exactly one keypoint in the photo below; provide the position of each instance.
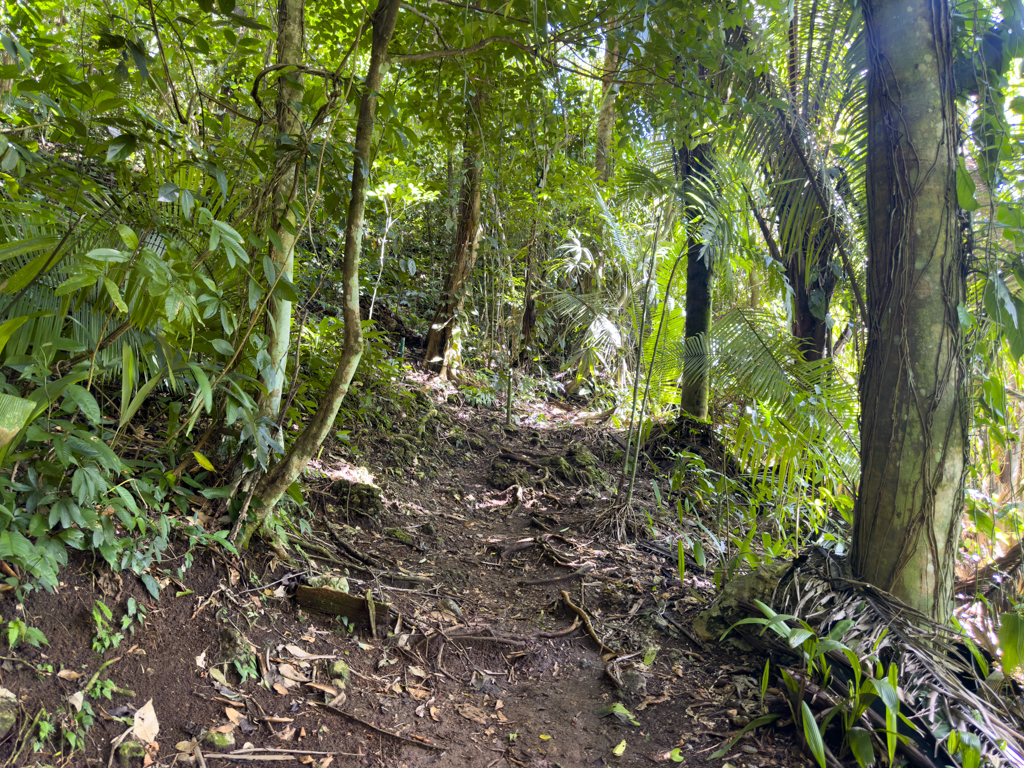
(481, 537)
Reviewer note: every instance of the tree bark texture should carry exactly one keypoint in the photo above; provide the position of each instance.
(467, 235)
(606, 115)
(914, 400)
(694, 165)
(274, 484)
(291, 29)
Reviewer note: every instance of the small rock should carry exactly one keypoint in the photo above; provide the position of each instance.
(338, 669)
(130, 752)
(339, 583)
(219, 740)
(8, 711)
(399, 534)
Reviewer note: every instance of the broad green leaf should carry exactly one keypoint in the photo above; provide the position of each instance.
(120, 148)
(1011, 641)
(203, 461)
(965, 187)
(620, 713)
(204, 386)
(127, 375)
(83, 398)
(128, 236)
(108, 255)
(28, 245)
(140, 397)
(14, 415)
(812, 734)
(7, 329)
(223, 346)
(20, 279)
(115, 295)
(861, 746)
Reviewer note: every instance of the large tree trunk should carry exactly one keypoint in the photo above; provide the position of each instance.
(284, 183)
(467, 236)
(606, 115)
(914, 403)
(274, 484)
(696, 163)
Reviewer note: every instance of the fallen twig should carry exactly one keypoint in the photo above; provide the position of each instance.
(425, 744)
(562, 632)
(586, 622)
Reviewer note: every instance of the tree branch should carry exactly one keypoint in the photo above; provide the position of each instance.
(408, 58)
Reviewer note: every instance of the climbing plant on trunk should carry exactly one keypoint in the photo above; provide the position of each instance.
(915, 408)
(283, 187)
(694, 168)
(275, 483)
(440, 351)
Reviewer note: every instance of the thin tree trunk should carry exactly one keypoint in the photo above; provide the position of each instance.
(811, 298)
(606, 115)
(283, 186)
(467, 236)
(699, 282)
(275, 483)
(529, 305)
(914, 400)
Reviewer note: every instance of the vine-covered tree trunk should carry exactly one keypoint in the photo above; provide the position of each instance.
(606, 115)
(467, 235)
(283, 185)
(694, 164)
(274, 484)
(914, 402)
(812, 295)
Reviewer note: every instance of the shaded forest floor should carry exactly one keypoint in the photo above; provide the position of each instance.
(484, 545)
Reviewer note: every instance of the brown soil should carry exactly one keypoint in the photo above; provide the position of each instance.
(471, 667)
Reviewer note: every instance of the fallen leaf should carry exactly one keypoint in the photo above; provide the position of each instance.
(288, 672)
(201, 660)
(280, 689)
(297, 652)
(232, 714)
(499, 704)
(418, 692)
(418, 672)
(67, 674)
(226, 728)
(326, 761)
(185, 746)
(475, 714)
(76, 700)
(145, 726)
(330, 690)
(305, 759)
(218, 675)
(287, 734)
(434, 715)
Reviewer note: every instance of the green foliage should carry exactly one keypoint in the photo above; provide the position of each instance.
(19, 632)
(104, 637)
